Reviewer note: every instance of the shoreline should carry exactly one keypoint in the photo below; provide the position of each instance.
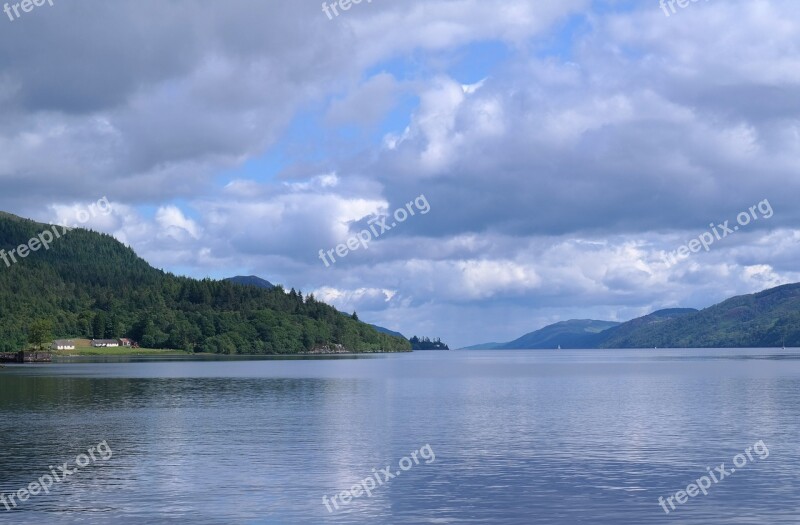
(150, 352)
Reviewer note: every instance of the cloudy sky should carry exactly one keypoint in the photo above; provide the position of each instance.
(564, 146)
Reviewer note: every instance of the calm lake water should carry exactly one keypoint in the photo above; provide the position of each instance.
(522, 437)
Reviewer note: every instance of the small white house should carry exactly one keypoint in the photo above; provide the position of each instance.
(63, 344)
(105, 343)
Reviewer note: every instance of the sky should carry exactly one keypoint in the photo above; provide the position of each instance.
(560, 150)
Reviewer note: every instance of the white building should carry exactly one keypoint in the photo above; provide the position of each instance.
(63, 344)
(105, 343)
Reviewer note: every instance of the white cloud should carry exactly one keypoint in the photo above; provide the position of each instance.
(175, 224)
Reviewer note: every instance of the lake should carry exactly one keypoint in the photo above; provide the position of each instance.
(494, 437)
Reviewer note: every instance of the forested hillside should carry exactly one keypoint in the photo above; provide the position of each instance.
(90, 285)
(637, 333)
(766, 319)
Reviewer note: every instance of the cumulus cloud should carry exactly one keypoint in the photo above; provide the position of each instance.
(175, 224)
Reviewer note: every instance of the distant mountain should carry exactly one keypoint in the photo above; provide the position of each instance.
(251, 280)
(577, 333)
(483, 346)
(416, 343)
(766, 319)
(387, 331)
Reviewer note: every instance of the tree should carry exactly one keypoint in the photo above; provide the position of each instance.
(99, 325)
(354, 316)
(40, 334)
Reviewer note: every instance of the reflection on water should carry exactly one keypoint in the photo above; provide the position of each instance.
(520, 437)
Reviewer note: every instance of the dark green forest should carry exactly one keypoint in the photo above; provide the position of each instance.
(766, 319)
(89, 285)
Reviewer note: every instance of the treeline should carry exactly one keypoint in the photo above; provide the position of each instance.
(427, 344)
(90, 285)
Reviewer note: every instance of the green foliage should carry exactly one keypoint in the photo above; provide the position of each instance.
(40, 334)
(764, 320)
(89, 285)
(427, 344)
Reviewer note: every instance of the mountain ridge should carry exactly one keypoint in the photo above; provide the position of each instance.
(251, 280)
(769, 318)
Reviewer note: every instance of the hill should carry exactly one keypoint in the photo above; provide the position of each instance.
(387, 331)
(251, 280)
(762, 320)
(417, 343)
(637, 332)
(577, 333)
(87, 284)
(483, 346)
